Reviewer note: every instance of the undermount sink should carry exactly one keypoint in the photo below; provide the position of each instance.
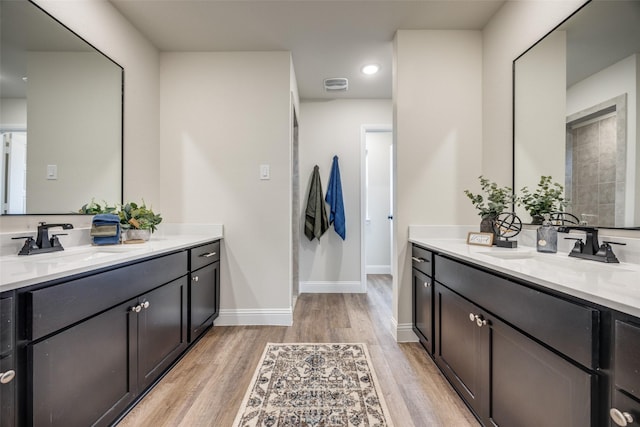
(83, 254)
(510, 255)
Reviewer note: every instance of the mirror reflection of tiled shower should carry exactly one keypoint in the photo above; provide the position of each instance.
(596, 169)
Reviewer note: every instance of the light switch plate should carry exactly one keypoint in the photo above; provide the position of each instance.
(52, 171)
(265, 172)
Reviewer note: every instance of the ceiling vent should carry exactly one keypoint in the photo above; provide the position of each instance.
(338, 84)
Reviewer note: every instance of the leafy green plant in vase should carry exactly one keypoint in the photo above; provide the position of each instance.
(93, 208)
(138, 220)
(546, 199)
(495, 200)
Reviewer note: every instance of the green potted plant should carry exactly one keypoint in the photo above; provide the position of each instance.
(139, 221)
(495, 201)
(93, 208)
(547, 198)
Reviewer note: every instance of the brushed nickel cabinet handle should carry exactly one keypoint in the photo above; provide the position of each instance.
(7, 377)
(195, 278)
(427, 284)
(145, 304)
(620, 418)
(418, 260)
(136, 308)
(208, 254)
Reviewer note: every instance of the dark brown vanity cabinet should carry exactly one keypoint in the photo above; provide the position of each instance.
(7, 361)
(422, 273)
(96, 343)
(506, 378)
(625, 404)
(204, 288)
(512, 366)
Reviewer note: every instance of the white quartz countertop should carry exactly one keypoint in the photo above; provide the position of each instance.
(616, 286)
(19, 271)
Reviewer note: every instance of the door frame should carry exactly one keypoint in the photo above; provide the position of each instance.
(364, 129)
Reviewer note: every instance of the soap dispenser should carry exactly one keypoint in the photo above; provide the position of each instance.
(547, 237)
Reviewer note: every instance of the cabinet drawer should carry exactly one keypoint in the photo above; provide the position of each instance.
(627, 358)
(626, 408)
(422, 260)
(6, 325)
(205, 255)
(53, 308)
(570, 328)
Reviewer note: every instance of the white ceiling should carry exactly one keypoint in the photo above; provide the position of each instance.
(327, 38)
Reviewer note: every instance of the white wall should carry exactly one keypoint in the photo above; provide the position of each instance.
(512, 30)
(329, 128)
(222, 116)
(540, 124)
(102, 25)
(74, 101)
(378, 200)
(14, 113)
(438, 131)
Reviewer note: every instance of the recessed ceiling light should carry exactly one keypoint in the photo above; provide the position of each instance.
(370, 69)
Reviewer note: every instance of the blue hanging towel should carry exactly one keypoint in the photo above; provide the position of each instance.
(334, 199)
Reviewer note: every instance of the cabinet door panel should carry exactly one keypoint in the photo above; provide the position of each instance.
(162, 330)
(532, 386)
(7, 393)
(85, 375)
(204, 299)
(462, 348)
(627, 357)
(423, 308)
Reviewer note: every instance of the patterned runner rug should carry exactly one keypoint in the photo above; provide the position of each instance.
(314, 385)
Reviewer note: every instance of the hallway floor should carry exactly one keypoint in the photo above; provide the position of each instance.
(207, 386)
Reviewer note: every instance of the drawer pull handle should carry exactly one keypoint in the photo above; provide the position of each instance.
(208, 254)
(136, 308)
(427, 284)
(7, 377)
(472, 317)
(418, 260)
(145, 304)
(620, 418)
(195, 278)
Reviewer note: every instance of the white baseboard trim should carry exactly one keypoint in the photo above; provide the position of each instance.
(257, 316)
(332, 288)
(378, 269)
(403, 332)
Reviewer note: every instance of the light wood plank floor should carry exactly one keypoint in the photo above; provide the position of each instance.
(207, 386)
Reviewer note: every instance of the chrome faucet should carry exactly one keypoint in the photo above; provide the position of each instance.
(43, 242)
(591, 249)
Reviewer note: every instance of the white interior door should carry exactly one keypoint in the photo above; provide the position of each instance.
(378, 196)
(14, 173)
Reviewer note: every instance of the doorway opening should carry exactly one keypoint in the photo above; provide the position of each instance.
(13, 173)
(377, 203)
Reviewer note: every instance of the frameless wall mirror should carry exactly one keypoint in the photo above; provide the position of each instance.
(61, 103)
(576, 113)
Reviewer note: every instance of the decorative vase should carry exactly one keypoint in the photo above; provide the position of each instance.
(486, 226)
(537, 219)
(136, 234)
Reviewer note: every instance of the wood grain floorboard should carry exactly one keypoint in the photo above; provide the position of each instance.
(207, 386)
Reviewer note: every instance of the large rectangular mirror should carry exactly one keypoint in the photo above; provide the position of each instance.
(576, 113)
(61, 103)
